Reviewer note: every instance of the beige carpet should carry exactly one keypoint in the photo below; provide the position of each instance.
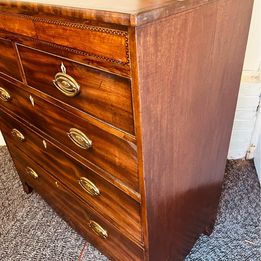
(30, 230)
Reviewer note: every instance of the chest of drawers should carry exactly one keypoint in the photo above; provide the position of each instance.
(119, 114)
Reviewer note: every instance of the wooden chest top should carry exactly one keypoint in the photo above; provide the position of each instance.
(124, 12)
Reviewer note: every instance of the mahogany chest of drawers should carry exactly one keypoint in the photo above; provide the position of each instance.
(119, 114)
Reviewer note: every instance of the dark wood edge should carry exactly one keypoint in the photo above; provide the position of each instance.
(138, 130)
(21, 69)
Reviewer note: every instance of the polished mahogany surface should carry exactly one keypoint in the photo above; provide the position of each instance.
(116, 156)
(8, 61)
(75, 211)
(119, 114)
(100, 94)
(188, 112)
(120, 209)
(125, 12)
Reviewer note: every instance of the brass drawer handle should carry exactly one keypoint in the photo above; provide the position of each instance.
(65, 83)
(4, 95)
(80, 139)
(31, 172)
(98, 230)
(18, 135)
(89, 187)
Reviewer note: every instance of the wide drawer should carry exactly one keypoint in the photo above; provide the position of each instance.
(90, 224)
(123, 211)
(8, 60)
(103, 95)
(98, 42)
(116, 156)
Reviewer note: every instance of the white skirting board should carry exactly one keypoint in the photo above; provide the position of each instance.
(2, 142)
(257, 158)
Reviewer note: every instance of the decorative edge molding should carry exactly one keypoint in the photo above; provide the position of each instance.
(79, 52)
(77, 25)
(81, 27)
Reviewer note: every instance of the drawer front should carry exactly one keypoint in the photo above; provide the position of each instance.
(103, 95)
(123, 211)
(94, 227)
(114, 155)
(8, 60)
(100, 43)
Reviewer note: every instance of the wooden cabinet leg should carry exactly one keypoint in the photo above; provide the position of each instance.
(209, 228)
(27, 189)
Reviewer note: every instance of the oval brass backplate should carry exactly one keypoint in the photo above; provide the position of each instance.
(89, 187)
(66, 84)
(79, 138)
(4, 95)
(98, 230)
(31, 172)
(18, 135)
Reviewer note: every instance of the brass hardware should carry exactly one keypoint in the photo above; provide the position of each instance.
(80, 139)
(18, 135)
(56, 184)
(31, 99)
(89, 187)
(65, 83)
(45, 144)
(98, 230)
(4, 95)
(31, 172)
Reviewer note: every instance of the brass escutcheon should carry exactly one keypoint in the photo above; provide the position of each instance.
(31, 172)
(4, 95)
(79, 139)
(98, 230)
(18, 135)
(89, 187)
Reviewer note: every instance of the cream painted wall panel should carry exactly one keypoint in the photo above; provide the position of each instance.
(249, 94)
(253, 54)
(245, 119)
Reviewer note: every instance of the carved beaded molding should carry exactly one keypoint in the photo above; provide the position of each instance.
(83, 27)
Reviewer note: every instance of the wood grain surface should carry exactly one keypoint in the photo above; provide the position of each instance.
(104, 43)
(76, 212)
(79, 56)
(8, 59)
(123, 211)
(114, 155)
(103, 95)
(125, 12)
(189, 76)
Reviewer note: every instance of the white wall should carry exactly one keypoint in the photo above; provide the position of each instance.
(245, 132)
(253, 54)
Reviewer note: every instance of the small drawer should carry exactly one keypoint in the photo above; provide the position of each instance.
(116, 156)
(122, 210)
(100, 94)
(97, 42)
(90, 224)
(8, 60)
